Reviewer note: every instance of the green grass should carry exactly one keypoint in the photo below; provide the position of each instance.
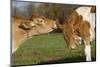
(44, 49)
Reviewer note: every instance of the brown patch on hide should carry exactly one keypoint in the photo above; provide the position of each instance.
(75, 26)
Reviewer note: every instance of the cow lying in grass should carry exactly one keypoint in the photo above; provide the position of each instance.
(80, 24)
(25, 28)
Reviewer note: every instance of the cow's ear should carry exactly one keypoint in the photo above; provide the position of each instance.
(32, 17)
(20, 25)
(93, 9)
(43, 17)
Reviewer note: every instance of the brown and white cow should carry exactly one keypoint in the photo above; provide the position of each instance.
(80, 24)
(24, 28)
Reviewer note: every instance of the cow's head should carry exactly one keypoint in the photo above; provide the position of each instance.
(26, 25)
(44, 22)
(23, 27)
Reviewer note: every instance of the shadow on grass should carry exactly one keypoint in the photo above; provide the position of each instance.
(60, 61)
(66, 60)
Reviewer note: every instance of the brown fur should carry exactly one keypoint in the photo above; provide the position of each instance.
(19, 34)
(75, 26)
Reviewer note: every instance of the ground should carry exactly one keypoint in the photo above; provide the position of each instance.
(48, 49)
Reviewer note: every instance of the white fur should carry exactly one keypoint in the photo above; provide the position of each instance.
(92, 24)
(55, 26)
(92, 34)
(88, 52)
(80, 38)
(90, 17)
(83, 11)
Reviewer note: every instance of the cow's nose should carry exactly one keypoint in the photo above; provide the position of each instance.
(55, 26)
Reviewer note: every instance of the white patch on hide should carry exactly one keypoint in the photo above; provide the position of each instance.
(88, 52)
(90, 17)
(83, 11)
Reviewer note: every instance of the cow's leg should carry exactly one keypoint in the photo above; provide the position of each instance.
(92, 32)
(87, 49)
(84, 31)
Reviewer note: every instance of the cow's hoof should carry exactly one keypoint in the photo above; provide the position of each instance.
(88, 59)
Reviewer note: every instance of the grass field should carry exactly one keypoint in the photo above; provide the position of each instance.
(47, 49)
